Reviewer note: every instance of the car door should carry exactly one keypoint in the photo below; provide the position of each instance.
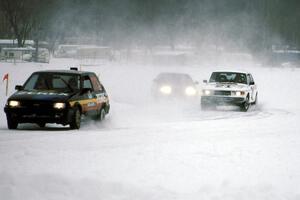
(89, 102)
(252, 86)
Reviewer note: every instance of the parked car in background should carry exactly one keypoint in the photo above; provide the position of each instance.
(57, 96)
(66, 51)
(229, 87)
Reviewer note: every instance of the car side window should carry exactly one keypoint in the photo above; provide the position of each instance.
(96, 84)
(87, 82)
(248, 79)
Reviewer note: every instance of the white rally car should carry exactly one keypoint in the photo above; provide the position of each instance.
(229, 87)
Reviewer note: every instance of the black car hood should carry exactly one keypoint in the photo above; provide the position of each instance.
(41, 96)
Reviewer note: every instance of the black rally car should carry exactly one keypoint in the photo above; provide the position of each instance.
(57, 96)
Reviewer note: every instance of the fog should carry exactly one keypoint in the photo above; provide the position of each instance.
(208, 28)
(233, 25)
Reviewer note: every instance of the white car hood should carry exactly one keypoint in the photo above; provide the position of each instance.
(225, 86)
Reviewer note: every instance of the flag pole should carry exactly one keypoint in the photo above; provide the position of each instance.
(6, 90)
(5, 78)
(6, 87)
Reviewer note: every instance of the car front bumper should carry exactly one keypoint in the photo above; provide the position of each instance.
(26, 115)
(221, 100)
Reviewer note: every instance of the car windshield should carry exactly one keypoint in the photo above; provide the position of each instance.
(61, 82)
(228, 77)
(174, 79)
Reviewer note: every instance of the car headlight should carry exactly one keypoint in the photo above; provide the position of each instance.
(206, 92)
(190, 91)
(59, 105)
(166, 89)
(13, 104)
(239, 93)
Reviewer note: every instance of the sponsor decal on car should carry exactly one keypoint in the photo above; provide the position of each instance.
(40, 93)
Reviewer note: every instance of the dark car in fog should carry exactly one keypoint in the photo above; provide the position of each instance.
(174, 85)
(57, 96)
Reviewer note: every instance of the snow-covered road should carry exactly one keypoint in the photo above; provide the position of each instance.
(146, 150)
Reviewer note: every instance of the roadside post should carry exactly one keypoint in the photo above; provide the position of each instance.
(5, 78)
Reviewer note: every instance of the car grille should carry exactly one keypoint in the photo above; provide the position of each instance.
(36, 104)
(37, 107)
(222, 93)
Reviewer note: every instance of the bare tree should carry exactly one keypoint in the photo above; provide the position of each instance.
(18, 13)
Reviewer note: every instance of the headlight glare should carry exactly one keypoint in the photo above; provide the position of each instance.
(206, 92)
(190, 91)
(166, 89)
(14, 103)
(59, 105)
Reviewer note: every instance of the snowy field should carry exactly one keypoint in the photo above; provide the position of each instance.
(149, 150)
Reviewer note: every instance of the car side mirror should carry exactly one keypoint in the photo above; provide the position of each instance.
(204, 81)
(19, 87)
(252, 83)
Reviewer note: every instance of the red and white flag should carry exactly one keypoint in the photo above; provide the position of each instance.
(5, 77)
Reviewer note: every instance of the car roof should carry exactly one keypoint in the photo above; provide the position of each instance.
(65, 72)
(233, 71)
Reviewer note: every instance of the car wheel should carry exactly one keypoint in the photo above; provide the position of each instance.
(245, 106)
(76, 119)
(11, 123)
(102, 114)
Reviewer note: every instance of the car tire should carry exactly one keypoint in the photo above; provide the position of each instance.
(11, 123)
(102, 114)
(76, 119)
(245, 106)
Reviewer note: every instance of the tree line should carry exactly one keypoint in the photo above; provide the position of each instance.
(235, 24)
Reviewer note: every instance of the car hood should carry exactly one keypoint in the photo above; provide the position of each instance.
(225, 86)
(40, 96)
